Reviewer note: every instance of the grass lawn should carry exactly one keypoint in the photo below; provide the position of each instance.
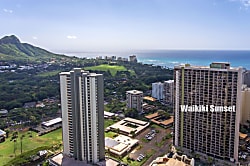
(108, 122)
(112, 68)
(110, 134)
(29, 143)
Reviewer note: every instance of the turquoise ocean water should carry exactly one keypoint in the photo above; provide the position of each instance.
(170, 58)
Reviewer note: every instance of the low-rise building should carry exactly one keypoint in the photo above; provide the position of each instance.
(2, 135)
(63, 160)
(146, 107)
(149, 98)
(176, 160)
(129, 126)
(52, 122)
(108, 114)
(120, 145)
(161, 119)
(3, 113)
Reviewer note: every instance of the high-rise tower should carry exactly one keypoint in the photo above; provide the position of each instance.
(135, 99)
(82, 115)
(214, 128)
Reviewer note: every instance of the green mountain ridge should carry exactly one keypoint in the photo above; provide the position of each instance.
(12, 49)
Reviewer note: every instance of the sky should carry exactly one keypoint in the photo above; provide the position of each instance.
(125, 25)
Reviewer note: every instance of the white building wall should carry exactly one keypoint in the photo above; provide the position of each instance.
(64, 106)
(157, 90)
(168, 92)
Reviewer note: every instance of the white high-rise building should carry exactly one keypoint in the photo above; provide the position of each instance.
(135, 99)
(212, 96)
(82, 115)
(157, 90)
(168, 92)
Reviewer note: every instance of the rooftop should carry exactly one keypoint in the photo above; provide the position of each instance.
(128, 125)
(120, 145)
(155, 118)
(136, 92)
(169, 81)
(149, 98)
(108, 114)
(52, 122)
(2, 132)
(175, 161)
(151, 116)
(213, 66)
(242, 136)
(3, 111)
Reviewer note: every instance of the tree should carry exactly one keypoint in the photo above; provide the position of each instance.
(209, 160)
(132, 133)
(7, 133)
(21, 143)
(117, 130)
(15, 146)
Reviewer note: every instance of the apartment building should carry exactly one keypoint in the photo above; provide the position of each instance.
(82, 115)
(134, 99)
(168, 91)
(157, 90)
(213, 132)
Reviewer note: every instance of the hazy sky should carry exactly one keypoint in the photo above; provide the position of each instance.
(113, 25)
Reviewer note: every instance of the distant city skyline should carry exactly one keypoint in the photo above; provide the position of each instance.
(114, 25)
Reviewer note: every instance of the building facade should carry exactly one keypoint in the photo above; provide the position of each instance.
(157, 90)
(207, 109)
(168, 91)
(245, 105)
(82, 115)
(134, 99)
(133, 58)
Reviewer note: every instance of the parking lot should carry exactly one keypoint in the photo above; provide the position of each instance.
(150, 140)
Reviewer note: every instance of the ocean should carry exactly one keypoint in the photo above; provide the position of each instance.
(170, 58)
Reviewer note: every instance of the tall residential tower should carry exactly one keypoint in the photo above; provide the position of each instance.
(82, 115)
(212, 130)
(134, 99)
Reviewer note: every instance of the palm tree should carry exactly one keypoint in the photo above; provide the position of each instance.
(15, 146)
(21, 143)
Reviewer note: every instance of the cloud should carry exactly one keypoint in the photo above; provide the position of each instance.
(71, 37)
(8, 11)
(34, 37)
(244, 3)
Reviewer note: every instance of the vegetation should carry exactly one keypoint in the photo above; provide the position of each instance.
(110, 134)
(108, 122)
(33, 76)
(12, 49)
(9, 149)
(113, 69)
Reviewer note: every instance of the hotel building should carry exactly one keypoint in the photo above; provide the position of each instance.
(215, 134)
(134, 99)
(245, 105)
(82, 115)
